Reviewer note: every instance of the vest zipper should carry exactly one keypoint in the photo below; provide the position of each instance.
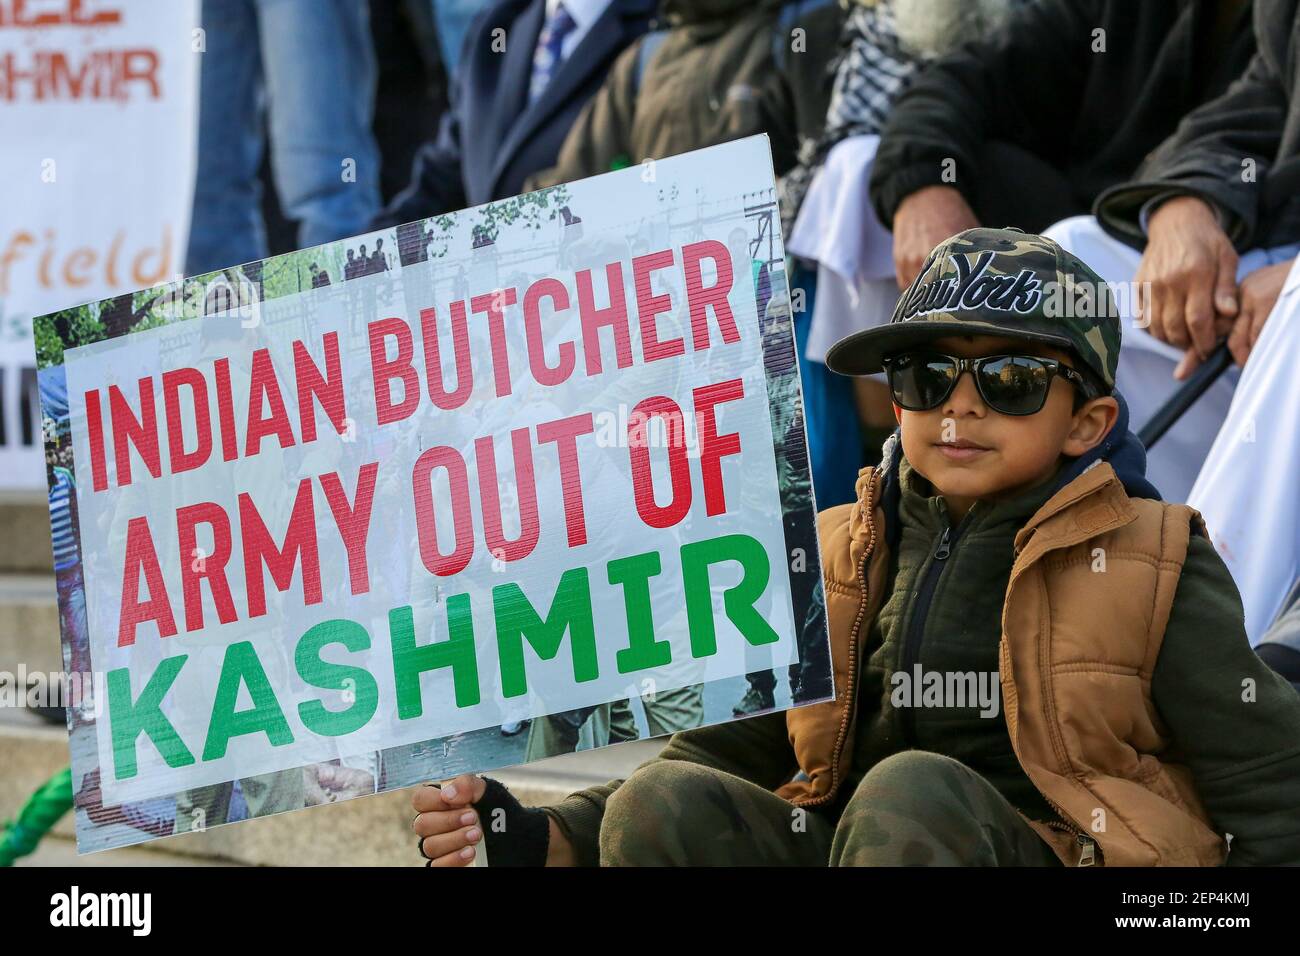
(1088, 856)
(1088, 849)
(850, 705)
(921, 611)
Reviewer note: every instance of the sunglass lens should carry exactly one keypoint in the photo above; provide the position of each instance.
(1015, 384)
(921, 381)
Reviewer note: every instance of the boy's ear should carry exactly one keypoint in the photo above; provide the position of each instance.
(1092, 423)
(898, 413)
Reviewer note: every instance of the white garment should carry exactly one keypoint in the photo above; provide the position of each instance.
(1249, 489)
(838, 229)
(1146, 365)
(840, 310)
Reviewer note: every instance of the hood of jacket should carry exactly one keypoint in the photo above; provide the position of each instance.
(1125, 453)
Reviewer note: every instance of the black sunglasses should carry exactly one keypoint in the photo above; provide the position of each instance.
(1009, 384)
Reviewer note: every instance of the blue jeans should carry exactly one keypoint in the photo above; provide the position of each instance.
(310, 65)
(452, 18)
(830, 413)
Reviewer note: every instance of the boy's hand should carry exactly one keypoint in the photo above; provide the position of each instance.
(446, 821)
(449, 824)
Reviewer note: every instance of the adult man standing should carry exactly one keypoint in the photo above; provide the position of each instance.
(526, 70)
(308, 66)
(378, 258)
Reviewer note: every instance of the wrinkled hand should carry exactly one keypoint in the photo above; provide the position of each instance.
(923, 220)
(326, 783)
(1190, 269)
(1256, 297)
(446, 821)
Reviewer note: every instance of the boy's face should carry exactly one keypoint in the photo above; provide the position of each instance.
(970, 452)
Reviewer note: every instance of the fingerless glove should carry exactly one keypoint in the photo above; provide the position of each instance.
(515, 835)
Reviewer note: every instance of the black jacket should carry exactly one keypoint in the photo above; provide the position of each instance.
(1240, 152)
(490, 139)
(1045, 87)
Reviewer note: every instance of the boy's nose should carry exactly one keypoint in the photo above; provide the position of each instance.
(964, 399)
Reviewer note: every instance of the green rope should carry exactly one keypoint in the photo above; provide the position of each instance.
(19, 837)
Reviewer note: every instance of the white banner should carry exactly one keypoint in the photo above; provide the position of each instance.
(98, 124)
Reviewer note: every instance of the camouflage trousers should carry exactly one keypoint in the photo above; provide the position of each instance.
(912, 809)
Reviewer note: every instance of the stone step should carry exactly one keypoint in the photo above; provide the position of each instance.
(29, 623)
(61, 851)
(369, 831)
(25, 533)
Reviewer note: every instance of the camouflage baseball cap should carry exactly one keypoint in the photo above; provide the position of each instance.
(996, 282)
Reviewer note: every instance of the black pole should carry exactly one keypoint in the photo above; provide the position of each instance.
(1192, 389)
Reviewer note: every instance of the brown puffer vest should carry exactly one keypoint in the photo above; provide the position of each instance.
(1089, 596)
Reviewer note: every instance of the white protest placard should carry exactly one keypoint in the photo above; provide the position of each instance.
(531, 461)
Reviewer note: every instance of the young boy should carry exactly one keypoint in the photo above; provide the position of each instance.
(1011, 541)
